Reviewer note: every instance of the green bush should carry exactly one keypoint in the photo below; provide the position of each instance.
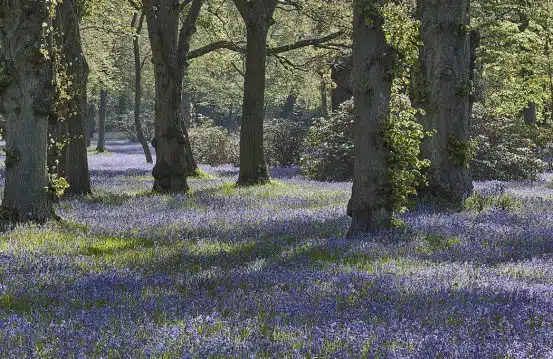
(284, 141)
(213, 145)
(328, 153)
(505, 148)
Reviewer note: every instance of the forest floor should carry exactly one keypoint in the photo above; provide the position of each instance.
(267, 272)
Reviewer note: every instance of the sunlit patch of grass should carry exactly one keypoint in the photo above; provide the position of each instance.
(505, 201)
(92, 151)
(52, 239)
(202, 175)
(111, 245)
(115, 199)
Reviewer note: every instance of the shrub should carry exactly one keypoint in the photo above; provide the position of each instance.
(505, 148)
(328, 154)
(213, 145)
(284, 142)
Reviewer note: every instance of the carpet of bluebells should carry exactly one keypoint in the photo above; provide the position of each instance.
(264, 272)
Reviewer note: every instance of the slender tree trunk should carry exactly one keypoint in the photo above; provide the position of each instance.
(253, 169)
(289, 107)
(191, 165)
(324, 98)
(73, 127)
(530, 113)
(91, 122)
(138, 88)
(443, 90)
(26, 100)
(370, 205)
(101, 147)
(549, 69)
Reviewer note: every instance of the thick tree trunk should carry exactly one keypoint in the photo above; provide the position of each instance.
(341, 75)
(442, 86)
(253, 169)
(74, 111)
(370, 205)
(102, 111)
(138, 89)
(26, 99)
(170, 47)
(170, 141)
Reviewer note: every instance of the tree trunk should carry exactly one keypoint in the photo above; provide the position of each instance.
(170, 141)
(531, 113)
(170, 48)
(138, 89)
(91, 122)
(370, 205)
(72, 127)
(341, 75)
(191, 165)
(442, 88)
(253, 169)
(101, 147)
(26, 100)
(289, 107)
(324, 98)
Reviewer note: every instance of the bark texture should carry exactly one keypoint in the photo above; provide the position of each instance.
(91, 122)
(342, 77)
(258, 17)
(136, 24)
(442, 88)
(26, 101)
(370, 205)
(71, 114)
(170, 47)
(531, 113)
(102, 112)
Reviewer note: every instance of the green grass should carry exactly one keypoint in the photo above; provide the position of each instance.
(112, 245)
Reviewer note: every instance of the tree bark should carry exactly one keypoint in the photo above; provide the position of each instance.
(531, 113)
(72, 116)
(102, 110)
(138, 87)
(170, 47)
(324, 98)
(370, 205)
(341, 73)
(26, 101)
(258, 17)
(442, 85)
(191, 165)
(91, 122)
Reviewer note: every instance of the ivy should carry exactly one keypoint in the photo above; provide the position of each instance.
(460, 152)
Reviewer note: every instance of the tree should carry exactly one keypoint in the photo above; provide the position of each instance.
(370, 205)
(442, 88)
(170, 47)
(26, 101)
(68, 128)
(102, 111)
(136, 24)
(258, 17)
